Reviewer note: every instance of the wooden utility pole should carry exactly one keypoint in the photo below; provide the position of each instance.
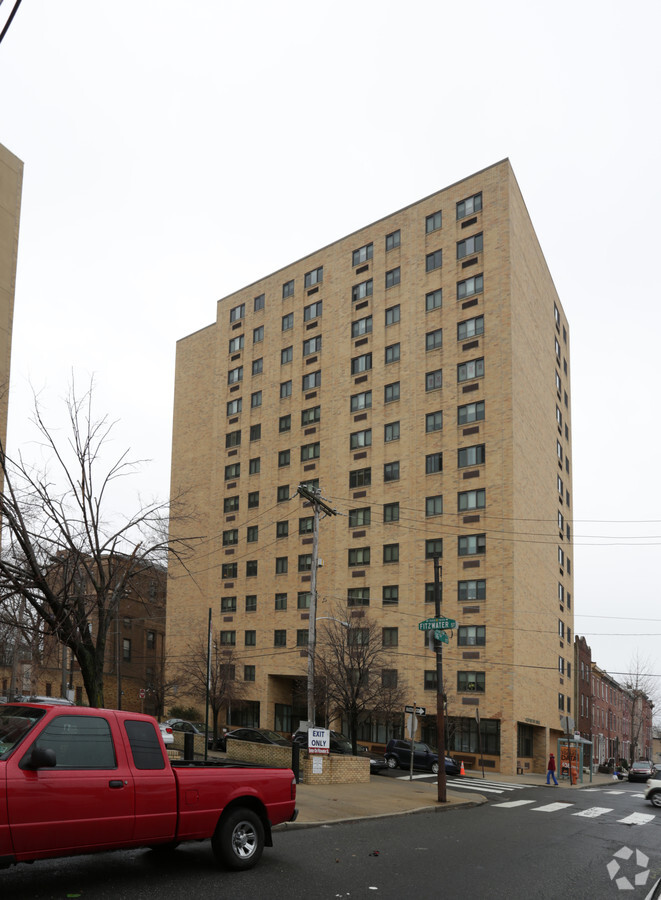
(313, 495)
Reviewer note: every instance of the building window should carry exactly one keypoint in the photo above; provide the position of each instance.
(254, 466)
(231, 504)
(253, 499)
(471, 636)
(236, 344)
(391, 471)
(126, 649)
(258, 366)
(312, 345)
(305, 562)
(433, 547)
(284, 423)
(434, 421)
(471, 456)
(359, 556)
(229, 570)
(392, 315)
(310, 451)
(282, 529)
(389, 678)
(430, 592)
(433, 222)
(248, 673)
(228, 638)
(360, 478)
(390, 637)
(280, 637)
(250, 638)
(434, 260)
(434, 380)
(471, 681)
(360, 439)
(235, 375)
(361, 401)
(392, 277)
(361, 326)
(393, 240)
(316, 276)
(258, 334)
(391, 553)
(469, 206)
(286, 355)
(281, 565)
(474, 368)
(252, 534)
(311, 416)
(391, 432)
(251, 602)
(431, 680)
(561, 705)
(285, 389)
(390, 594)
(358, 596)
(281, 601)
(470, 412)
(306, 525)
(391, 392)
(361, 363)
(311, 380)
(470, 286)
(288, 321)
(151, 644)
(358, 518)
(472, 590)
(392, 353)
(255, 399)
(303, 600)
(302, 635)
(288, 289)
(255, 432)
(472, 544)
(434, 300)
(259, 303)
(362, 255)
(230, 537)
(433, 463)
(313, 311)
(469, 246)
(470, 328)
(233, 439)
(434, 506)
(391, 512)
(362, 290)
(472, 499)
(434, 339)
(282, 493)
(238, 312)
(284, 458)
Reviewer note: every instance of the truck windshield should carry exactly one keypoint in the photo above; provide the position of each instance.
(15, 723)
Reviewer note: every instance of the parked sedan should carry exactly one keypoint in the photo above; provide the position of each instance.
(191, 728)
(641, 770)
(398, 753)
(258, 736)
(166, 733)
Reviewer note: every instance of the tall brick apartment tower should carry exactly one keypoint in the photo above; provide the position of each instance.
(11, 182)
(417, 370)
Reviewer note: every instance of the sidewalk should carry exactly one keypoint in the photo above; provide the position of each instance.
(384, 796)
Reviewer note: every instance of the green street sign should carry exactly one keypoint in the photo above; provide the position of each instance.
(442, 637)
(433, 624)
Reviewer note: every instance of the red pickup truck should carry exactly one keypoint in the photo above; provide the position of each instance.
(78, 780)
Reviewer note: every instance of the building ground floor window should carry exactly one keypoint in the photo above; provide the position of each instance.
(244, 716)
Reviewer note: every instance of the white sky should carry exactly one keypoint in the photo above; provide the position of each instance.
(176, 151)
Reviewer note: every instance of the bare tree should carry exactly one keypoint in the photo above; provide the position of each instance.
(224, 690)
(357, 671)
(643, 696)
(64, 554)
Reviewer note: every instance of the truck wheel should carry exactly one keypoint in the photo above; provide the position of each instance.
(239, 839)
(655, 798)
(392, 762)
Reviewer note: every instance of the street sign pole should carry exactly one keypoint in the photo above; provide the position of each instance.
(440, 715)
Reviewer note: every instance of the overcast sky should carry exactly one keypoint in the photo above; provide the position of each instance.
(176, 151)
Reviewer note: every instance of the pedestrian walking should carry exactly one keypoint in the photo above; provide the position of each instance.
(550, 771)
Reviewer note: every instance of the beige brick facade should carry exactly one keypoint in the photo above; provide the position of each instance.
(515, 342)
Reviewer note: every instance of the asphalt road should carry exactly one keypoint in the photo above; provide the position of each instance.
(528, 842)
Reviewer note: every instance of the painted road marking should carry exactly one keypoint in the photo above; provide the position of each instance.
(511, 803)
(552, 807)
(636, 819)
(593, 812)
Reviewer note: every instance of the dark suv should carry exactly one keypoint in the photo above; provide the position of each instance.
(398, 753)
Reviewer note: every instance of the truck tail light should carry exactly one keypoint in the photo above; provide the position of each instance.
(293, 789)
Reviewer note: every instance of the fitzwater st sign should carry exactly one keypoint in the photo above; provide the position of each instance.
(433, 624)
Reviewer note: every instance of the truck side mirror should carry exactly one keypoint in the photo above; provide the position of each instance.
(39, 758)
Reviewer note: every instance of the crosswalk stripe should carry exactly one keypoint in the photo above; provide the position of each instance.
(552, 807)
(512, 803)
(636, 819)
(593, 812)
(479, 788)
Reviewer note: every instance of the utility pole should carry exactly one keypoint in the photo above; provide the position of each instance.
(440, 713)
(313, 496)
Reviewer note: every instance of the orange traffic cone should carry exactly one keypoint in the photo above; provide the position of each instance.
(462, 771)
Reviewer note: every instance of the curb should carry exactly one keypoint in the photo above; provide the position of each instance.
(350, 820)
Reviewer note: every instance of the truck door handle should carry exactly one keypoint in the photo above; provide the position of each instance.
(116, 783)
